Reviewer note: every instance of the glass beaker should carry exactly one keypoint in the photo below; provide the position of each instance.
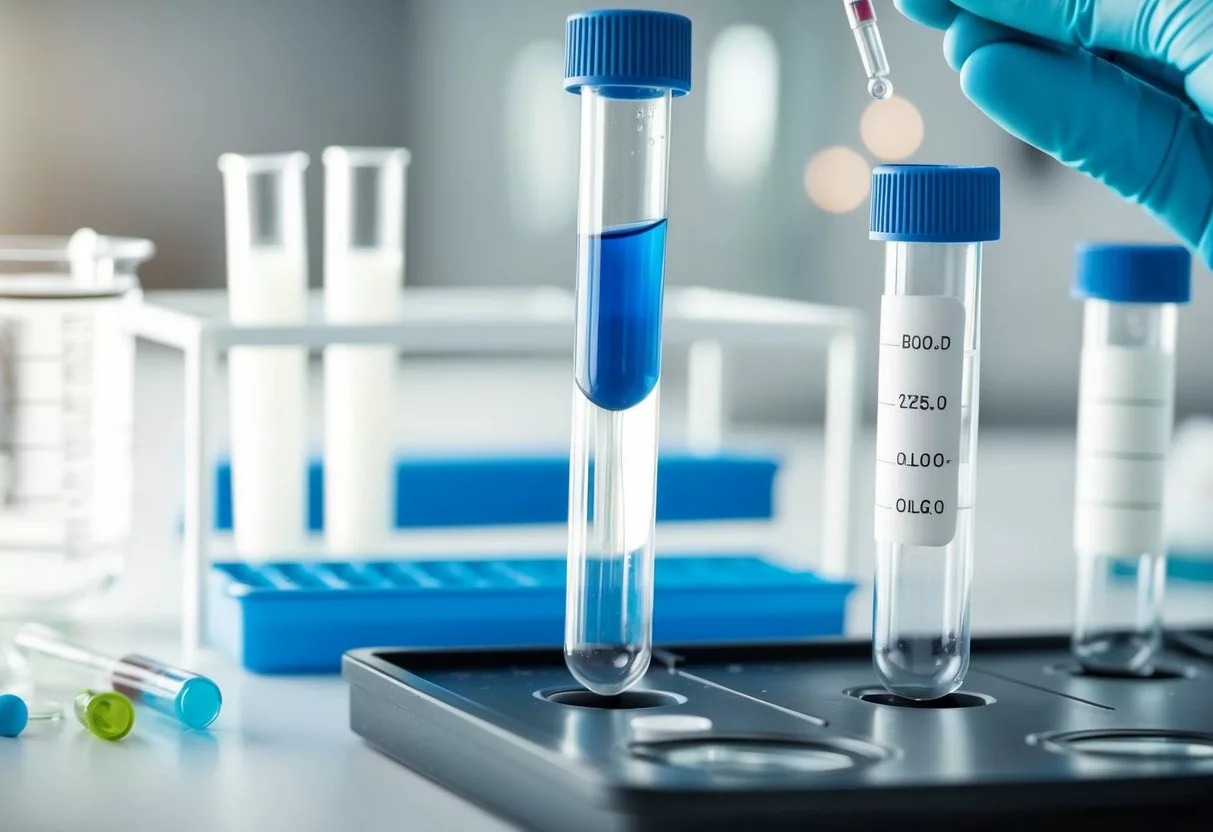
(67, 364)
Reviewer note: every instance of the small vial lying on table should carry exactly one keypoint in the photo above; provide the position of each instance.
(933, 219)
(1126, 401)
(107, 715)
(862, 17)
(192, 700)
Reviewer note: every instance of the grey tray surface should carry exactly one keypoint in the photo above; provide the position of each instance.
(795, 736)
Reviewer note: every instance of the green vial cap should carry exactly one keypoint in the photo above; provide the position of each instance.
(108, 715)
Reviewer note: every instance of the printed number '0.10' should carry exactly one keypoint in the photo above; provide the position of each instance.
(922, 460)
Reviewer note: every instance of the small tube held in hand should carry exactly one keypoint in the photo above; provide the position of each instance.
(862, 17)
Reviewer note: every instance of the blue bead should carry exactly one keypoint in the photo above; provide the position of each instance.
(14, 715)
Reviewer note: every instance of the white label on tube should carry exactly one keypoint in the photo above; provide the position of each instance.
(918, 419)
(1124, 431)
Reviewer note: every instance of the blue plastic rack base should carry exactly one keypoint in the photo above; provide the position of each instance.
(300, 617)
(533, 489)
(1181, 566)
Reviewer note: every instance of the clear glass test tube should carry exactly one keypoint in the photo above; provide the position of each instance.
(1126, 400)
(191, 699)
(267, 275)
(621, 226)
(862, 17)
(364, 200)
(934, 220)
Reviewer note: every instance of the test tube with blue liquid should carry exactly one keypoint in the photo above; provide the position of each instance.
(933, 219)
(627, 66)
(191, 699)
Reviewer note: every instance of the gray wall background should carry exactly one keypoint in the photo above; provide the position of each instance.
(116, 112)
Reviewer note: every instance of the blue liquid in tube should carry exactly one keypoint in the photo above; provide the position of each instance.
(619, 343)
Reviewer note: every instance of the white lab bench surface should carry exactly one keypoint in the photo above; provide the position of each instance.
(281, 755)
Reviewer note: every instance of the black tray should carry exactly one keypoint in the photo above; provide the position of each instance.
(801, 738)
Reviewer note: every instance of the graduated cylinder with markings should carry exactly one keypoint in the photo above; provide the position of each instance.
(934, 219)
(1126, 398)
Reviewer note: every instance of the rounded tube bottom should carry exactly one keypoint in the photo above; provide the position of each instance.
(607, 669)
(1118, 613)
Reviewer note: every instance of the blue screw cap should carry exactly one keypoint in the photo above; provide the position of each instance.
(935, 204)
(1133, 273)
(628, 52)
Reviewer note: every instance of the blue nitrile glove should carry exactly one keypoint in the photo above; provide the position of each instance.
(1122, 90)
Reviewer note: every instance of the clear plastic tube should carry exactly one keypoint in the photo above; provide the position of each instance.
(928, 383)
(862, 17)
(363, 273)
(613, 473)
(267, 275)
(191, 699)
(1126, 405)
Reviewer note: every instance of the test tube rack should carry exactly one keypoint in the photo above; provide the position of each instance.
(796, 735)
(516, 320)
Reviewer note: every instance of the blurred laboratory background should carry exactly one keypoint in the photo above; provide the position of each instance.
(115, 116)
(117, 112)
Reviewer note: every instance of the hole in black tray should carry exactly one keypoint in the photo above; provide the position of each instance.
(760, 757)
(959, 699)
(1130, 743)
(1159, 672)
(627, 701)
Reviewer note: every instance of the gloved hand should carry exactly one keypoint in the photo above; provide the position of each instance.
(1119, 89)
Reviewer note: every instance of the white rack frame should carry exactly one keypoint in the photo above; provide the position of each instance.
(473, 321)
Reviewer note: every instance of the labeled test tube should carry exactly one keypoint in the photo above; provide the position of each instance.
(626, 66)
(1131, 297)
(191, 699)
(363, 273)
(934, 220)
(862, 17)
(267, 286)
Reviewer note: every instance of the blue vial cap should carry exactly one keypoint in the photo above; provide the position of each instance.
(934, 204)
(1138, 273)
(14, 715)
(627, 51)
(198, 702)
